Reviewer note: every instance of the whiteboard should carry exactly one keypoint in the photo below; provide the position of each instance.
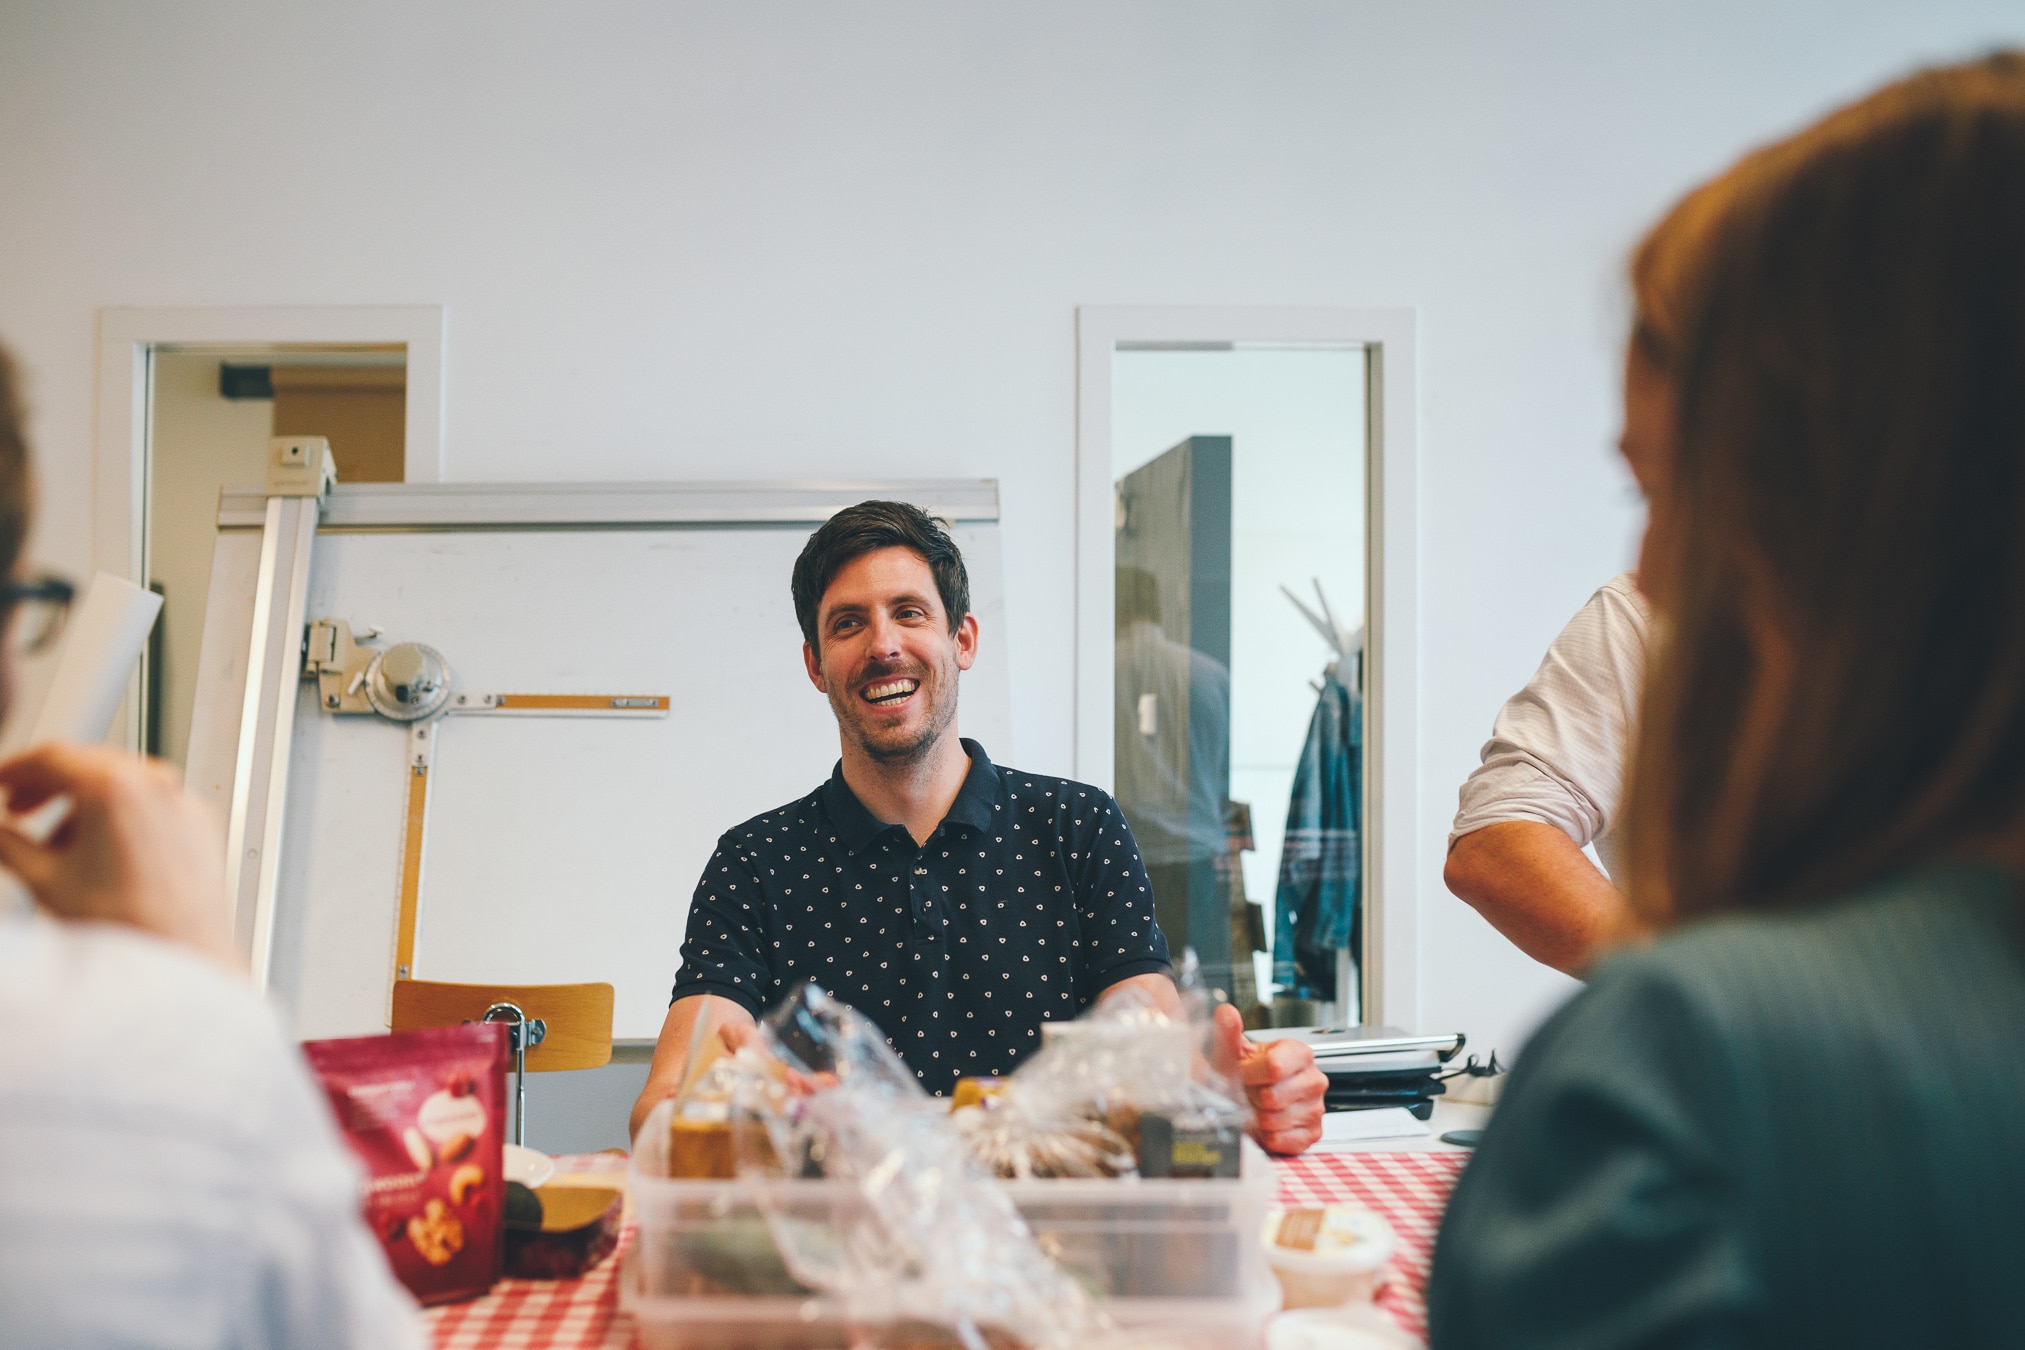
(558, 849)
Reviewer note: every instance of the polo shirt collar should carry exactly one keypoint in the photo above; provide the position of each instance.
(856, 827)
(979, 794)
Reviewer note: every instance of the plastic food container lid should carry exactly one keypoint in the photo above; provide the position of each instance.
(1346, 1240)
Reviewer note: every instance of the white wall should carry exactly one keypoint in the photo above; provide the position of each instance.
(789, 239)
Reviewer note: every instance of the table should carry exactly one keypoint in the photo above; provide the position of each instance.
(1408, 1186)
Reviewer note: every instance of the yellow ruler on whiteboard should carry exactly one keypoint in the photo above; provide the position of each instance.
(411, 685)
(422, 757)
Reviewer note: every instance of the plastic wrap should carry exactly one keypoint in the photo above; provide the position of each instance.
(1142, 1074)
(1021, 1139)
(922, 1242)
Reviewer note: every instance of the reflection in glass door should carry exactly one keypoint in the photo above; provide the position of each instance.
(1240, 595)
(1172, 716)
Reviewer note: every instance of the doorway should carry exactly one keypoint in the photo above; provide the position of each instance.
(211, 411)
(1245, 556)
(187, 399)
(1237, 726)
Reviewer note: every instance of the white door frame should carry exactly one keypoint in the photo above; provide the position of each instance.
(126, 336)
(1391, 974)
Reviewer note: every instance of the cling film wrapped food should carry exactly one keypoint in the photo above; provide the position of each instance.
(1019, 1140)
(923, 1239)
(861, 1196)
(1129, 1087)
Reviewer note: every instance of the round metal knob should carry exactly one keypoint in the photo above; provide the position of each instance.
(407, 683)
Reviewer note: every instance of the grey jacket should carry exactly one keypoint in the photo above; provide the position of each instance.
(1766, 1131)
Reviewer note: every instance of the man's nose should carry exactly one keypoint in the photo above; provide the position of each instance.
(885, 637)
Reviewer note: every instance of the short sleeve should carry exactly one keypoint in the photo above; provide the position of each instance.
(724, 951)
(1604, 1206)
(1114, 901)
(1557, 748)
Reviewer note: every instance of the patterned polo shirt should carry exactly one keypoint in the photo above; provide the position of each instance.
(1027, 902)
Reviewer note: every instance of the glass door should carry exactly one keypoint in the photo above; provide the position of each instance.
(1239, 472)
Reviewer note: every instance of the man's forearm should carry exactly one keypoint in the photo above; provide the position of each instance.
(1540, 890)
(671, 1050)
(1156, 987)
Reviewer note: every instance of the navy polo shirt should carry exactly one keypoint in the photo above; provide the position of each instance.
(1027, 902)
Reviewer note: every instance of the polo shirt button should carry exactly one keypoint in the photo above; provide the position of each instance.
(920, 871)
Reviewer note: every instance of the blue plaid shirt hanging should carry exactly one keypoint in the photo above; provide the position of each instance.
(1317, 910)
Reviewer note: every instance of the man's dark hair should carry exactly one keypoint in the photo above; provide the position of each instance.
(865, 528)
(13, 468)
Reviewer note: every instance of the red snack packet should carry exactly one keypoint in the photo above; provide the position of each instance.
(425, 1111)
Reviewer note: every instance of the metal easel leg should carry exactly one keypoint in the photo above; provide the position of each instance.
(299, 474)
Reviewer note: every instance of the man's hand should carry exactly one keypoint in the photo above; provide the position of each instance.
(135, 849)
(1280, 1079)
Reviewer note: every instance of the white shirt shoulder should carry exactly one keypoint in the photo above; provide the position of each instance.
(174, 1175)
(1558, 746)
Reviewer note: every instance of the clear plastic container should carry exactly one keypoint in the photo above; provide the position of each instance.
(702, 1272)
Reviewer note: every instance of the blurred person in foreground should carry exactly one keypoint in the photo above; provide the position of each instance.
(1793, 1119)
(172, 1176)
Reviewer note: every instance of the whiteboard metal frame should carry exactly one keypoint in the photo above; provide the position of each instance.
(128, 336)
(289, 526)
(1390, 959)
(548, 506)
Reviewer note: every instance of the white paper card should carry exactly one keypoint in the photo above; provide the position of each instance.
(1384, 1122)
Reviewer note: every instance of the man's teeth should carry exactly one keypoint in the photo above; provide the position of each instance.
(878, 693)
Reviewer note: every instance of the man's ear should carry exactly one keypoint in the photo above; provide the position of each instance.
(814, 668)
(966, 642)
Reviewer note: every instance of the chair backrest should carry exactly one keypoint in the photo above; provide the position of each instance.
(579, 1016)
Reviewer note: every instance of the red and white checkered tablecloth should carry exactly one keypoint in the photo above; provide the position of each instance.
(540, 1314)
(1408, 1189)
(578, 1314)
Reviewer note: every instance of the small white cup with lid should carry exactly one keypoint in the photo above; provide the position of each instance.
(1327, 1255)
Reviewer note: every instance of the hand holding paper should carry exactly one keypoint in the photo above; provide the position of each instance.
(104, 639)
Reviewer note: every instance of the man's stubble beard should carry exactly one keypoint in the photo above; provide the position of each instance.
(942, 713)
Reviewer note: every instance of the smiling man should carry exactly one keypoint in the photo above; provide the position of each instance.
(956, 903)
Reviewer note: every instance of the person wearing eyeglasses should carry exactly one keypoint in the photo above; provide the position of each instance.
(173, 1176)
(35, 610)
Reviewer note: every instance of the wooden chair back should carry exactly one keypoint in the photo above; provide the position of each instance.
(579, 1016)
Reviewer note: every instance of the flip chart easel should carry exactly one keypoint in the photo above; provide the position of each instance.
(549, 837)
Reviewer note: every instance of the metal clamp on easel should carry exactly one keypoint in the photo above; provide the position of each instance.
(412, 685)
(409, 684)
(522, 1034)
